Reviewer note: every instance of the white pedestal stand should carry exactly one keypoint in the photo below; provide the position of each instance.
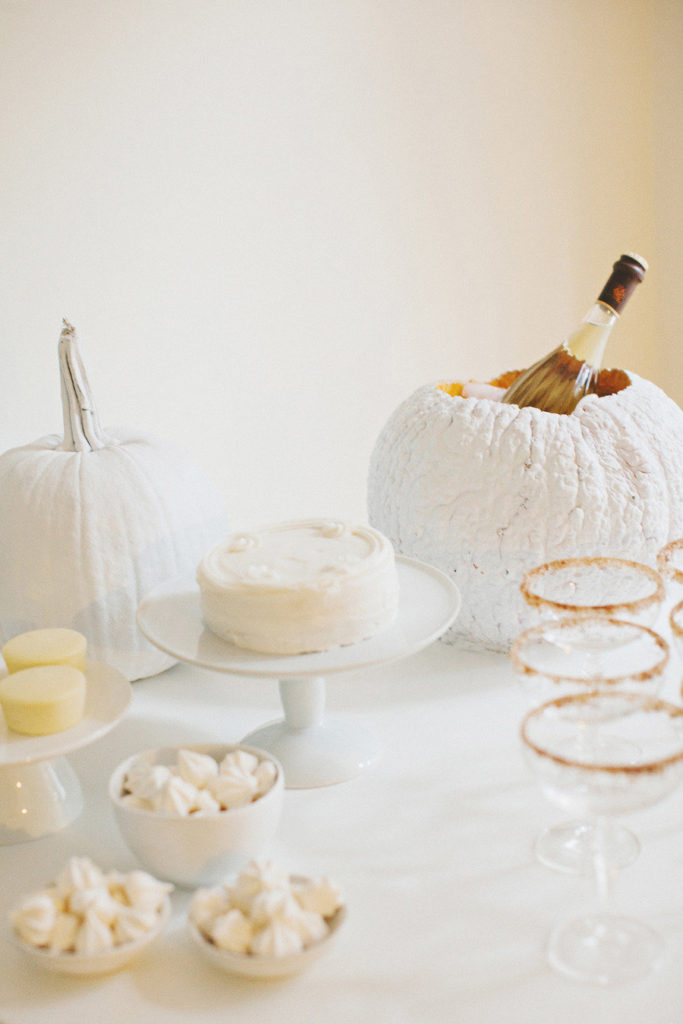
(39, 791)
(315, 750)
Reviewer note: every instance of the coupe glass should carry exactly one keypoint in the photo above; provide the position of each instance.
(670, 565)
(614, 587)
(582, 654)
(602, 945)
(676, 626)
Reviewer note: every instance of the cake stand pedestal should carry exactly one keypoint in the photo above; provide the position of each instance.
(314, 749)
(39, 791)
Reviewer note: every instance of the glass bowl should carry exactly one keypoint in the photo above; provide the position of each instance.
(614, 587)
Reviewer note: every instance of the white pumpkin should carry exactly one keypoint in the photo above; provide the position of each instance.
(90, 522)
(485, 491)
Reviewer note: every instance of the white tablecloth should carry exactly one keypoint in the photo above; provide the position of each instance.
(449, 911)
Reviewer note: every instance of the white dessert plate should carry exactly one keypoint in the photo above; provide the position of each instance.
(95, 963)
(429, 602)
(108, 695)
(249, 965)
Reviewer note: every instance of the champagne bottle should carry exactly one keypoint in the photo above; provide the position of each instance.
(559, 381)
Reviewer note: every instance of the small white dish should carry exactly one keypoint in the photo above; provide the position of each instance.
(250, 965)
(39, 790)
(108, 696)
(198, 849)
(98, 963)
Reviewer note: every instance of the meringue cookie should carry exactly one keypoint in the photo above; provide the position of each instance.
(232, 931)
(274, 905)
(206, 905)
(144, 892)
(99, 911)
(281, 906)
(35, 918)
(257, 877)
(137, 775)
(205, 803)
(311, 926)
(241, 759)
(148, 786)
(233, 788)
(94, 936)
(197, 782)
(176, 796)
(265, 774)
(63, 937)
(196, 768)
(276, 939)
(97, 901)
(115, 882)
(60, 901)
(319, 895)
(132, 924)
(78, 873)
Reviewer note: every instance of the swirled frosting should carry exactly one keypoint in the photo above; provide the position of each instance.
(295, 587)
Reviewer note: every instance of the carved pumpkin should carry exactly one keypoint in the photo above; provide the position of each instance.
(485, 491)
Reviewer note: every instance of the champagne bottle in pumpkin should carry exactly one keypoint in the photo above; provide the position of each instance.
(558, 381)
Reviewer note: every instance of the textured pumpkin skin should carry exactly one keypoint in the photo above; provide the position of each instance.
(485, 491)
(84, 534)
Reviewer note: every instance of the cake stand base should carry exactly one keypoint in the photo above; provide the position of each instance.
(39, 790)
(313, 749)
(37, 799)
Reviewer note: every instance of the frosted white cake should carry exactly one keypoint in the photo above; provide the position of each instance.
(299, 587)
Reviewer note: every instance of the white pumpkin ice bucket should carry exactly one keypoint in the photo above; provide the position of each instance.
(89, 522)
(485, 491)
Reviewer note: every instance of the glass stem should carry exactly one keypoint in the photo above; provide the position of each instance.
(605, 874)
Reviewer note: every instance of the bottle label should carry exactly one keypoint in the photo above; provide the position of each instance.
(626, 274)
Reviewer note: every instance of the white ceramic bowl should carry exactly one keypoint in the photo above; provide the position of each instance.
(197, 850)
(249, 965)
(96, 963)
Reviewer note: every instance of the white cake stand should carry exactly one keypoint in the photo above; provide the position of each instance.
(39, 790)
(315, 750)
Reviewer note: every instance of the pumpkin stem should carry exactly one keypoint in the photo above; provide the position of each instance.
(82, 431)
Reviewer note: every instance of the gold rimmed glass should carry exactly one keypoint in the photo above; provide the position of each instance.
(602, 945)
(589, 652)
(614, 587)
(670, 565)
(676, 626)
(676, 623)
(583, 654)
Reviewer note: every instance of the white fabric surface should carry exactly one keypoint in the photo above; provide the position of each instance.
(448, 909)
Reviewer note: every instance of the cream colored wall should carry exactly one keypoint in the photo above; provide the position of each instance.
(271, 220)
